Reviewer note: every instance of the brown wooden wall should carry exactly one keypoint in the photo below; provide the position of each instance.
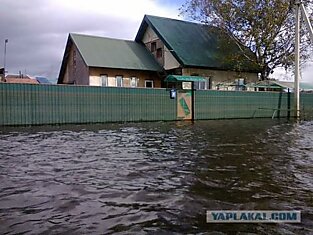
(76, 71)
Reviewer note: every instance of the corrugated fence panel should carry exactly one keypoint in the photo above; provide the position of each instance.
(236, 104)
(307, 105)
(25, 104)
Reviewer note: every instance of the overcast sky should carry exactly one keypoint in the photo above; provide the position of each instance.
(37, 30)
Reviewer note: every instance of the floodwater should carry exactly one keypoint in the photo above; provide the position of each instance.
(154, 178)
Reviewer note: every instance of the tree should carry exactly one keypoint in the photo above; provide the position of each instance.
(267, 27)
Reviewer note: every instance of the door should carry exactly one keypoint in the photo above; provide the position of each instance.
(184, 105)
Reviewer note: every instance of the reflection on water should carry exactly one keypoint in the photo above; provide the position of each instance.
(154, 177)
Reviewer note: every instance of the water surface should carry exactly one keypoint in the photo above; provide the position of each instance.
(154, 178)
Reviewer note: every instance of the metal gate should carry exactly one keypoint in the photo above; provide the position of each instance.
(184, 105)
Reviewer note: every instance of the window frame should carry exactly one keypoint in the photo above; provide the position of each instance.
(136, 81)
(152, 83)
(240, 84)
(116, 81)
(153, 46)
(159, 53)
(207, 83)
(106, 80)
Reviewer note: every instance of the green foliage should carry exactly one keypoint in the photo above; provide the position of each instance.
(267, 27)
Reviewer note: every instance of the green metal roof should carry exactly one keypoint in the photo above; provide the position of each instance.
(303, 85)
(177, 78)
(114, 53)
(281, 84)
(267, 86)
(198, 45)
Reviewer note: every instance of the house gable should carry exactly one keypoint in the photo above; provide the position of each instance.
(198, 45)
(153, 43)
(84, 52)
(74, 69)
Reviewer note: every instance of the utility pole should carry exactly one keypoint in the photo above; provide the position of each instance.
(5, 54)
(300, 11)
(297, 62)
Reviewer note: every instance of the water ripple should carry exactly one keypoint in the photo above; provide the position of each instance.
(154, 177)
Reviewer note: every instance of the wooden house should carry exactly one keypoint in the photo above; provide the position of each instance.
(191, 49)
(98, 61)
(162, 47)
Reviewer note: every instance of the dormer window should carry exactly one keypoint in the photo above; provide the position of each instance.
(159, 53)
(153, 46)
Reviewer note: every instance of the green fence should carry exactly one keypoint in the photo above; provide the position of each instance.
(306, 102)
(235, 104)
(24, 104)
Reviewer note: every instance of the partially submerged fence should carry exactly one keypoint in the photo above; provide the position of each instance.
(230, 104)
(24, 104)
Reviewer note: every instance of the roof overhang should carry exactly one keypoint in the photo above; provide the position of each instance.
(177, 78)
(66, 55)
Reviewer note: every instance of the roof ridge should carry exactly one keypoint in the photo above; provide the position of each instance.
(101, 37)
(182, 21)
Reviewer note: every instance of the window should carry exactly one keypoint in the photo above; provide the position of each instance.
(153, 46)
(204, 85)
(119, 81)
(149, 84)
(133, 82)
(104, 80)
(186, 85)
(240, 84)
(159, 53)
(209, 84)
(200, 85)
